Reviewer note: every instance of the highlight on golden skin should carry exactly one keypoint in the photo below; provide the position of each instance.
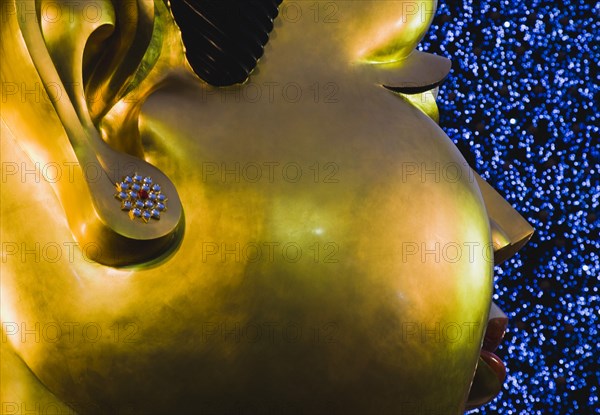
(370, 213)
(389, 36)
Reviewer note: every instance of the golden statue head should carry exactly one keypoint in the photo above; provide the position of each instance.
(205, 209)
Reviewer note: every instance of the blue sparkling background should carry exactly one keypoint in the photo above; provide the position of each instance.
(521, 104)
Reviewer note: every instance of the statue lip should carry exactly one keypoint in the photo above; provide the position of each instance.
(491, 370)
(496, 328)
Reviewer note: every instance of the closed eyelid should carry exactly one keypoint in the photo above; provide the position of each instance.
(418, 73)
(415, 79)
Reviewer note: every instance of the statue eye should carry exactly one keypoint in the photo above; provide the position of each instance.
(416, 79)
(418, 73)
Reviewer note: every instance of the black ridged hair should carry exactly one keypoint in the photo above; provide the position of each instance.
(224, 39)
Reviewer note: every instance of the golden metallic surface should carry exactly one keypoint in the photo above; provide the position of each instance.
(352, 275)
(425, 101)
(21, 391)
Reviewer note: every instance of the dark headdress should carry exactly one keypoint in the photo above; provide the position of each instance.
(224, 39)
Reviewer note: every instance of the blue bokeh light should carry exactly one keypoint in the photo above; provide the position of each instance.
(521, 104)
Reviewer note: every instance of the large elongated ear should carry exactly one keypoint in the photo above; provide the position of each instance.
(112, 207)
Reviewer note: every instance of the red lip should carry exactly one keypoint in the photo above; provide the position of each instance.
(495, 363)
(491, 371)
(496, 328)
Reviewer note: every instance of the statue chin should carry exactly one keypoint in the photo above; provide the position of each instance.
(336, 254)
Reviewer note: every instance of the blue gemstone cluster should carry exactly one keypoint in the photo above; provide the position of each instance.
(522, 106)
(142, 198)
